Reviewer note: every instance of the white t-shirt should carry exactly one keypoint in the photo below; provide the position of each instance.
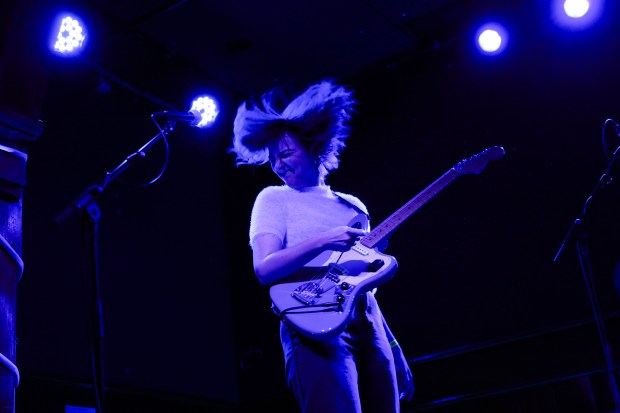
(295, 215)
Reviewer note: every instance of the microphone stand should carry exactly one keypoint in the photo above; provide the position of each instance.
(86, 205)
(586, 269)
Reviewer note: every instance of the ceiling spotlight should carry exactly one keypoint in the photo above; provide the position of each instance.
(491, 39)
(576, 14)
(68, 35)
(207, 108)
(576, 8)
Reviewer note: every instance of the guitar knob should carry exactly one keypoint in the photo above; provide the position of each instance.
(344, 286)
(340, 298)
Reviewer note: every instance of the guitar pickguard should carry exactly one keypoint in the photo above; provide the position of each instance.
(322, 307)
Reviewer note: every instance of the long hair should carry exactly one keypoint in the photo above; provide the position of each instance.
(319, 118)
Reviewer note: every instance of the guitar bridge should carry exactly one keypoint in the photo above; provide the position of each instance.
(308, 293)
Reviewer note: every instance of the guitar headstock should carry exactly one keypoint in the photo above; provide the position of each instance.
(476, 163)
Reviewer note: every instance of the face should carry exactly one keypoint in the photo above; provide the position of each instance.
(293, 163)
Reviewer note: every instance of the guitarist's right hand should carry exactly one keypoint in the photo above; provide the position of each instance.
(272, 262)
(341, 238)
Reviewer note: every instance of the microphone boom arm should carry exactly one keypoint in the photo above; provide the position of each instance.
(90, 195)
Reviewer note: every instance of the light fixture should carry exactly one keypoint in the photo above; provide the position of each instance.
(576, 14)
(68, 35)
(576, 8)
(207, 108)
(491, 39)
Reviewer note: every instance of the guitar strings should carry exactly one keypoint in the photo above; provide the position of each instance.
(313, 287)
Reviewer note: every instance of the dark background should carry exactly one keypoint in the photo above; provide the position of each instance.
(478, 305)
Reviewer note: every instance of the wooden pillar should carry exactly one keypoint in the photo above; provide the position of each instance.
(23, 74)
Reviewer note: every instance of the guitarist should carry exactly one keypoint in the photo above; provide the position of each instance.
(363, 368)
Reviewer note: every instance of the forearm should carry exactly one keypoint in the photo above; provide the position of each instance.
(272, 262)
(284, 262)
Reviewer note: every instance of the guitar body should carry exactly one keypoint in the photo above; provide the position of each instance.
(320, 299)
(322, 308)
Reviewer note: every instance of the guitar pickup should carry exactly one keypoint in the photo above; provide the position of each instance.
(336, 271)
(359, 249)
(375, 265)
(307, 293)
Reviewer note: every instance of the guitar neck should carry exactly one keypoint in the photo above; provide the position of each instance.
(383, 230)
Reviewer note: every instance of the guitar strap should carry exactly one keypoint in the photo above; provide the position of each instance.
(383, 245)
(351, 204)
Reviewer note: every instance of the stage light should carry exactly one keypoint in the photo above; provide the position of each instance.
(576, 8)
(68, 35)
(576, 14)
(491, 39)
(207, 108)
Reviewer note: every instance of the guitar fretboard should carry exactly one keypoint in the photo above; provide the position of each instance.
(384, 229)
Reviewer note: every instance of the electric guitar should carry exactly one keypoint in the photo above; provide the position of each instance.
(321, 306)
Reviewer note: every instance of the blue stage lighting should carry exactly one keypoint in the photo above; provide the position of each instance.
(207, 108)
(576, 8)
(68, 35)
(491, 38)
(576, 14)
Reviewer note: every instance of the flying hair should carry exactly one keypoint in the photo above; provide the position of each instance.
(319, 118)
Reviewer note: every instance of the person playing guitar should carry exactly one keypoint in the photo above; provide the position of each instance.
(299, 232)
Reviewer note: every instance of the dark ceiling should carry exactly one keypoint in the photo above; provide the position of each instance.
(247, 47)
